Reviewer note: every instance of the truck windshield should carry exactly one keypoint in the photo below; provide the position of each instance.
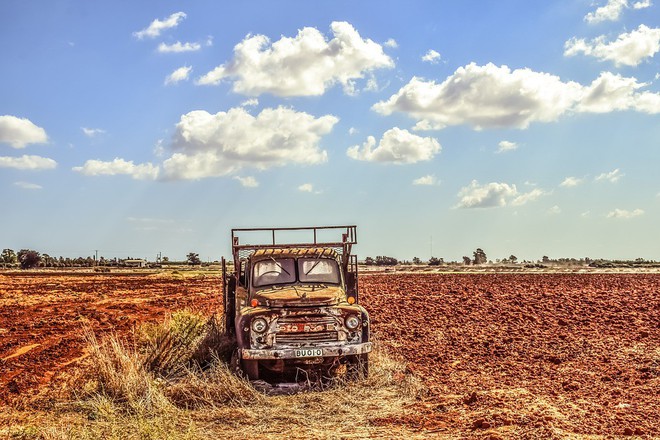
(316, 270)
(274, 271)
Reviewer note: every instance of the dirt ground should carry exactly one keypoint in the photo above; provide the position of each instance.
(502, 355)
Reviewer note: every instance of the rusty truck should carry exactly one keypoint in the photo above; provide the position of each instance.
(293, 305)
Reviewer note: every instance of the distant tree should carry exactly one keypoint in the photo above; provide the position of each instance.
(513, 259)
(479, 256)
(467, 261)
(433, 261)
(545, 259)
(382, 260)
(369, 261)
(8, 257)
(416, 260)
(28, 258)
(165, 260)
(193, 258)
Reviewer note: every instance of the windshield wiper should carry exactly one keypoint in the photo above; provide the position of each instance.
(316, 263)
(280, 266)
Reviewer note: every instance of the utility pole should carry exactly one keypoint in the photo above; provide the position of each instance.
(96, 257)
(431, 246)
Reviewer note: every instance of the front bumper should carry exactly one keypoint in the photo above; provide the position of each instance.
(290, 353)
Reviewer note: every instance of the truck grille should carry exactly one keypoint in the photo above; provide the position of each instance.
(306, 329)
(300, 338)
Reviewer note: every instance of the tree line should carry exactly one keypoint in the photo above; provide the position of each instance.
(30, 259)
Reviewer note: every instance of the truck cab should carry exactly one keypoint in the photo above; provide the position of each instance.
(293, 308)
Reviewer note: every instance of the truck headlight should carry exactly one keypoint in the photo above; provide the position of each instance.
(352, 322)
(259, 325)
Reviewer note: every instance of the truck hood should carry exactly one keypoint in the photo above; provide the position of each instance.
(302, 296)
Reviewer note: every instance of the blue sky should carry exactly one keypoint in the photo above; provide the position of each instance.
(526, 128)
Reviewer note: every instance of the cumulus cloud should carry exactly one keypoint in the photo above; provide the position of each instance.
(613, 176)
(505, 146)
(642, 4)
(210, 145)
(625, 214)
(180, 74)
(92, 132)
(19, 132)
(396, 146)
(628, 49)
(527, 197)
(610, 92)
(252, 102)
(27, 162)
(27, 185)
(178, 47)
(494, 194)
(304, 65)
(611, 11)
(492, 97)
(425, 180)
(570, 182)
(118, 166)
(391, 42)
(247, 181)
(306, 187)
(158, 26)
(431, 57)
(554, 210)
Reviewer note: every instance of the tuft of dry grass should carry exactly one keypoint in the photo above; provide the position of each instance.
(172, 382)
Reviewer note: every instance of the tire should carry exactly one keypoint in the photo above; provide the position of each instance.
(357, 367)
(246, 369)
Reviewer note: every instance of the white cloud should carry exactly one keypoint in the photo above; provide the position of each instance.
(252, 102)
(157, 26)
(396, 146)
(527, 197)
(19, 132)
(610, 92)
(180, 74)
(642, 4)
(305, 65)
(144, 171)
(494, 194)
(486, 196)
(571, 181)
(613, 176)
(92, 132)
(247, 181)
(628, 49)
(554, 210)
(211, 145)
(27, 185)
(585, 214)
(431, 57)
(625, 214)
(492, 97)
(178, 47)
(610, 12)
(306, 187)
(352, 131)
(505, 146)
(27, 162)
(425, 180)
(391, 42)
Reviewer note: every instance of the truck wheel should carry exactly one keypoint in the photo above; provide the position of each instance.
(357, 367)
(246, 369)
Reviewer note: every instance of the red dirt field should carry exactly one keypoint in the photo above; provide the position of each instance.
(502, 355)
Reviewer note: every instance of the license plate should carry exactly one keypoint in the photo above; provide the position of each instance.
(309, 352)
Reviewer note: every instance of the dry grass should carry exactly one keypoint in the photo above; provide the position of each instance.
(171, 382)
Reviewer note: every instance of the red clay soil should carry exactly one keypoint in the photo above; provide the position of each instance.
(537, 356)
(502, 355)
(42, 317)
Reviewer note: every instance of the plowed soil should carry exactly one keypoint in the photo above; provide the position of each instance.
(502, 355)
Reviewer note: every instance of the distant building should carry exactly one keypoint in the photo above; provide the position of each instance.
(135, 263)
